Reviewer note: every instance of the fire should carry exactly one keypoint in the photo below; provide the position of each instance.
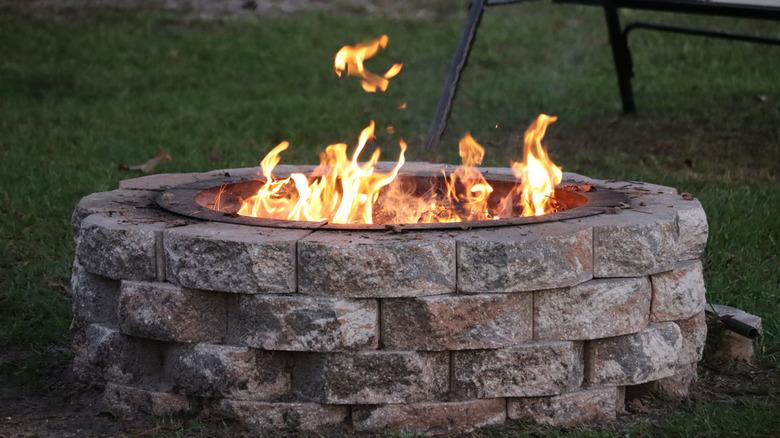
(539, 175)
(350, 59)
(342, 190)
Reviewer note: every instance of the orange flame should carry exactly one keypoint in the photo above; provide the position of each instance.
(340, 190)
(351, 58)
(538, 174)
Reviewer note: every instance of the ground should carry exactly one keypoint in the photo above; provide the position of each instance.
(85, 91)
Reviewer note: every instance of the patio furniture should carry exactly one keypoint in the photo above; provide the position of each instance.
(618, 39)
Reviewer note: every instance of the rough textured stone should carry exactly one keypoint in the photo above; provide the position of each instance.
(118, 247)
(167, 312)
(107, 354)
(680, 293)
(632, 244)
(531, 257)
(456, 322)
(591, 310)
(371, 377)
(126, 401)
(565, 410)
(430, 417)
(694, 335)
(232, 258)
(678, 385)
(115, 201)
(307, 417)
(352, 264)
(301, 323)
(693, 229)
(238, 373)
(633, 188)
(533, 369)
(94, 297)
(632, 359)
(163, 181)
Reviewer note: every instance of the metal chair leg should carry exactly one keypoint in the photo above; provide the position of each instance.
(621, 56)
(453, 75)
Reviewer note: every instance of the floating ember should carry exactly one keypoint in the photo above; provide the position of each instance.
(350, 58)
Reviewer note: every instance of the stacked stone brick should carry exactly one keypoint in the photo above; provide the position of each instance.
(425, 331)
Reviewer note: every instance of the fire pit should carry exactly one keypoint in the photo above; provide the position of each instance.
(184, 306)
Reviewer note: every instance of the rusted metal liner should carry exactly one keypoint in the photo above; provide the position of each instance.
(192, 200)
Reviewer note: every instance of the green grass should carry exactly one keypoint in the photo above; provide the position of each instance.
(81, 94)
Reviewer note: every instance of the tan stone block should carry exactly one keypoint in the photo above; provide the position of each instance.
(166, 312)
(632, 244)
(303, 323)
(679, 293)
(566, 410)
(238, 373)
(531, 257)
(456, 322)
(532, 369)
(370, 265)
(595, 309)
(128, 402)
(632, 359)
(371, 377)
(306, 417)
(232, 258)
(694, 336)
(430, 417)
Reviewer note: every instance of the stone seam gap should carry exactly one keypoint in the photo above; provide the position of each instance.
(650, 318)
(451, 376)
(533, 315)
(296, 247)
(159, 256)
(380, 344)
(586, 365)
(457, 266)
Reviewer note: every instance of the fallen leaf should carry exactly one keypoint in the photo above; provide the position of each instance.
(149, 165)
(60, 286)
(390, 130)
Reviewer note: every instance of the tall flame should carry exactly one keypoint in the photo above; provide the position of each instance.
(351, 58)
(538, 174)
(340, 190)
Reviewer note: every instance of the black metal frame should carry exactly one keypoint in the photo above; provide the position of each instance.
(618, 39)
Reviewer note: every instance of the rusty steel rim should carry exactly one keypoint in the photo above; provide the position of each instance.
(183, 200)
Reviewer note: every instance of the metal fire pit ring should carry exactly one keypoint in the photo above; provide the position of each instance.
(192, 200)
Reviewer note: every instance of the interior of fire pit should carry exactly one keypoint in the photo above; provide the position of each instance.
(220, 200)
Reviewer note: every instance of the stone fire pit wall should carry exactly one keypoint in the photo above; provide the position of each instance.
(425, 331)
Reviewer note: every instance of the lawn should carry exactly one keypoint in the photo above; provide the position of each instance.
(82, 93)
